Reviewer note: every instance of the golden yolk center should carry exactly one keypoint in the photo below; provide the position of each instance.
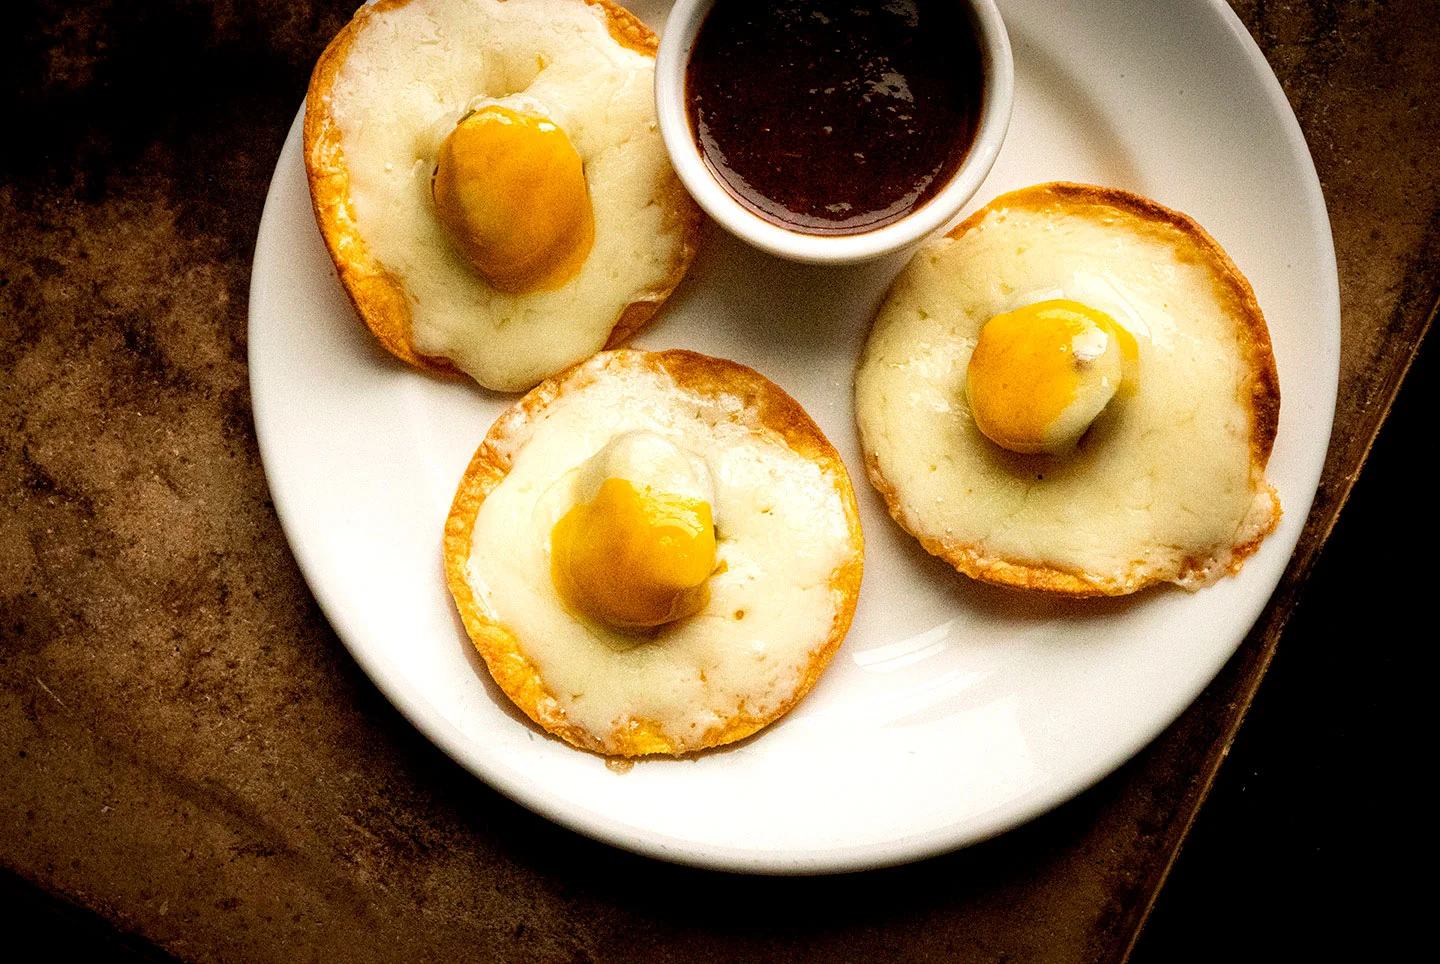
(1040, 374)
(510, 190)
(634, 558)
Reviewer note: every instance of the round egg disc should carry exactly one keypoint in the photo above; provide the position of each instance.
(1168, 482)
(384, 97)
(789, 553)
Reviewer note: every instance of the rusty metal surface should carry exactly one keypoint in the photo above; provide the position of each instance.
(186, 748)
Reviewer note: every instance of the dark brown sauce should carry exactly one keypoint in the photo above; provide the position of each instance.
(834, 117)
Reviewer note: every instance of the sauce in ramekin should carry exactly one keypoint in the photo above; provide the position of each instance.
(834, 117)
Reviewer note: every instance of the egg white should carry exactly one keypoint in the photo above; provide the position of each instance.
(646, 460)
(410, 75)
(782, 532)
(1161, 487)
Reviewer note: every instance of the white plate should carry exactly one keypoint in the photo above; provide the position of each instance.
(953, 711)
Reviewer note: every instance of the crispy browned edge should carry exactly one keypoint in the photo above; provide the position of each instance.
(1262, 396)
(378, 295)
(515, 674)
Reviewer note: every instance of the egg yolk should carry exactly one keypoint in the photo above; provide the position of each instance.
(634, 558)
(1041, 374)
(510, 190)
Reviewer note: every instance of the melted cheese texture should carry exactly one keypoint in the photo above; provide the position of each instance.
(412, 73)
(1161, 487)
(781, 534)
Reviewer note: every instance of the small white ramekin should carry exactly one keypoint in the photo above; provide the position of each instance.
(997, 71)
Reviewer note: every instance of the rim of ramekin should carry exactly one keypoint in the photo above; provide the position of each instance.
(998, 79)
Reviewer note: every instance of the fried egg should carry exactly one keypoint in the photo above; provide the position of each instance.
(655, 553)
(1074, 391)
(489, 178)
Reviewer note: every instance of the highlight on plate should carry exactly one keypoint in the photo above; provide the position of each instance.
(1074, 391)
(490, 181)
(655, 553)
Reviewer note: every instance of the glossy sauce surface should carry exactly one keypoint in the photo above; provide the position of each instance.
(834, 117)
